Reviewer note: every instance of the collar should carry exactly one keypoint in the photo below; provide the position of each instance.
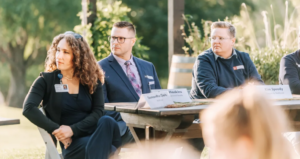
(233, 53)
(122, 61)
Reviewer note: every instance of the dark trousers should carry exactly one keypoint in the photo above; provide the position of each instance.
(104, 141)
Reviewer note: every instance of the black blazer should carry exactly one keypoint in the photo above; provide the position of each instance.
(42, 90)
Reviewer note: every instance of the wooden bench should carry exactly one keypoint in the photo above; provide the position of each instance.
(7, 121)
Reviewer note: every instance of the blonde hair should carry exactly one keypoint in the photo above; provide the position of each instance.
(247, 112)
(85, 63)
(222, 24)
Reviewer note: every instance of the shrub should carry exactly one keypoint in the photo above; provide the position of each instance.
(267, 61)
(192, 37)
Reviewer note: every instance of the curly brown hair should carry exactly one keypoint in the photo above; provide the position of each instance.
(85, 63)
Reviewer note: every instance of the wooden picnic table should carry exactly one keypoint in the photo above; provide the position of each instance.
(8, 121)
(178, 122)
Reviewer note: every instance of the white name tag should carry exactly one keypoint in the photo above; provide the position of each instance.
(238, 67)
(149, 77)
(276, 91)
(178, 95)
(155, 100)
(151, 82)
(61, 88)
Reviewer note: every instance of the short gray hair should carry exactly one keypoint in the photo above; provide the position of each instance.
(222, 24)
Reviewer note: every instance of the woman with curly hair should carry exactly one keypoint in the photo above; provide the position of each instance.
(70, 91)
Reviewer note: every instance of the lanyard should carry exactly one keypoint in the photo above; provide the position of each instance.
(60, 76)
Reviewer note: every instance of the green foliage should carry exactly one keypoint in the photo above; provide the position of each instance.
(35, 20)
(267, 62)
(97, 35)
(196, 43)
(4, 76)
(273, 23)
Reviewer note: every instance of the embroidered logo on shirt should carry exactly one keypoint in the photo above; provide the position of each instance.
(238, 67)
(149, 77)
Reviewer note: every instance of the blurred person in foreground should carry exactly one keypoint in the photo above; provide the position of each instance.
(221, 67)
(71, 93)
(160, 149)
(244, 124)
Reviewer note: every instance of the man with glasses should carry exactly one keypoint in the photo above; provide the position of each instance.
(221, 67)
(126, 76)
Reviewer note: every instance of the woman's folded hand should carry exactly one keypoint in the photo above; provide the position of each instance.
(63, 132)
(67, 142)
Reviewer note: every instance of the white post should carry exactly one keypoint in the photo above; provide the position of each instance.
(84, 15)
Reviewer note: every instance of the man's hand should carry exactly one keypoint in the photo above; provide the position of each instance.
(63, 132)
(67, 142)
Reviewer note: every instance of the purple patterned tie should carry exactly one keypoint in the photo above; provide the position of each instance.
(132, 79)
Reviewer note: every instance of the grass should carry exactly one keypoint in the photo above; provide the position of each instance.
(21, 141)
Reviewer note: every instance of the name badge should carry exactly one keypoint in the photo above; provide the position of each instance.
(151, 82)
(276, 91)
(149, 77)
(238, 67)
(61, 88)
(178, 95)
(155, 100)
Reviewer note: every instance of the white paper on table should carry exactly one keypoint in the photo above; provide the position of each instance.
(178, 95)
(276, 91)
(155, 100)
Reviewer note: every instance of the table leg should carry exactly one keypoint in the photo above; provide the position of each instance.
(147, 133)
(168, 137)
(137, 140)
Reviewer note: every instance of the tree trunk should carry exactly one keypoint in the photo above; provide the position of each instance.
(17, 89)
(93, 9)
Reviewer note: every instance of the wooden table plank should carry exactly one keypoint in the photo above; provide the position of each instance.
(112, 106)
(130, 108)
(7, 121)
(172, 111)
(127, 108)
(109, 106)
(288, 104)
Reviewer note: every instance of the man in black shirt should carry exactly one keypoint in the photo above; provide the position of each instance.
(221, 67)
(289, 72)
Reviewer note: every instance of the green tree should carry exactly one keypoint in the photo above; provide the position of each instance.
(26, 30)
(97, 32)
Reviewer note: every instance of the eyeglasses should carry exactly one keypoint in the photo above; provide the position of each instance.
(215, 38)
(120, 40)
(77, 36)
